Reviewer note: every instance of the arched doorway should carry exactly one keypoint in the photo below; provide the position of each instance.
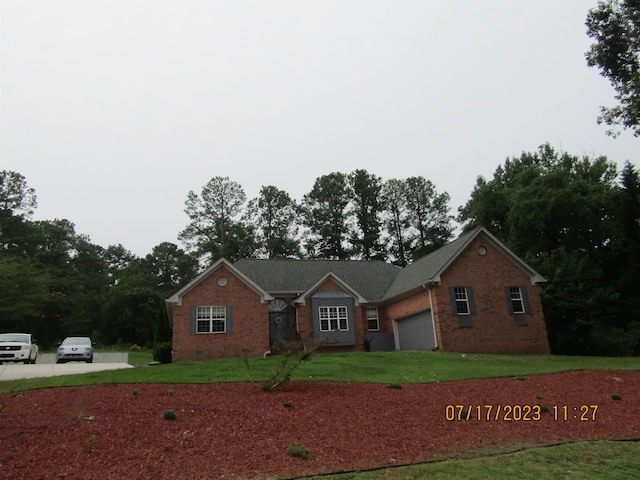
(279, 322)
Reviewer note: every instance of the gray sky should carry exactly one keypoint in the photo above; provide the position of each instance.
(114, 110)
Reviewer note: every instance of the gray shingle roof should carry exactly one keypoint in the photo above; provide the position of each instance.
(374, 280)
(428, 267)
(371, 279)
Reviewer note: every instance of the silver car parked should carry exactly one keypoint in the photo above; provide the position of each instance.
(75, 349)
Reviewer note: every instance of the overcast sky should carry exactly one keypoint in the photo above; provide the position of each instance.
(115, 110)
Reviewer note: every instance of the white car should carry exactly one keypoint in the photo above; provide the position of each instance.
(75, 349)
(18, 347)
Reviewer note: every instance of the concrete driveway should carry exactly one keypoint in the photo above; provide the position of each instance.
(46, 366)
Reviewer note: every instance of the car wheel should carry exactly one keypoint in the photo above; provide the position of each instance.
(59, 361)
(33, 362)
(90, 360)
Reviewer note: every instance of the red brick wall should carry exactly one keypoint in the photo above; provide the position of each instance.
(493, 329)
(250, 332)
(415, 303)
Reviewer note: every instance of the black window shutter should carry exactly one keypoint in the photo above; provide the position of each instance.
(452, 299)
(229, 326)
(507, 294)
(472, 301)
(192, 321)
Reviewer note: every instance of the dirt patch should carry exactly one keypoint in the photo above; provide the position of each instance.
(238, 431)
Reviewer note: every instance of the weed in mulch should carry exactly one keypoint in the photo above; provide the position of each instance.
(394, 385)
(298, 450)
(615, 396)
(170, 415)
(91, 443)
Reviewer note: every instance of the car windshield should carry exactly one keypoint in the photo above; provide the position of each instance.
(77, 341)
(14, 337)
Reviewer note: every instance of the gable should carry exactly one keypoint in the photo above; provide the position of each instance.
(223, 266)
(429, 269)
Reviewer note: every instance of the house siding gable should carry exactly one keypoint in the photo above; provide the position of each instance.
(337, 298)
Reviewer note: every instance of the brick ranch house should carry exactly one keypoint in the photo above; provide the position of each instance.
(472, 295)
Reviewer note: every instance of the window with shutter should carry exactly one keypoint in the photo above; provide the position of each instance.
(462, 304)
(211, 319)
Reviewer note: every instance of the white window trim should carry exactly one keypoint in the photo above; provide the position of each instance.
(372, 314)
(515, 295)
(341, 314)
(461, 295)
(213, 314)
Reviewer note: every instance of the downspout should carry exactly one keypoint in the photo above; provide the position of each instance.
(268, 352)
(433, 320)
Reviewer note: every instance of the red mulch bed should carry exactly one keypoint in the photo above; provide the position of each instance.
(238, 431)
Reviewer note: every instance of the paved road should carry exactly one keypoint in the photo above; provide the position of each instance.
(46, 366)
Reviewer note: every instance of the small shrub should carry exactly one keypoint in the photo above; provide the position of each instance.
(287, 405)
(170, 415)
(170, 392)
(298, 450)
(615, 396)
(91, 443)
(135, 348)
(394, 385)
(162, 352)
(135, 392)
(291, 354)
(544, 408)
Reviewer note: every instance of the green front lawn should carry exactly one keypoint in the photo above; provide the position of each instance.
(390, 367)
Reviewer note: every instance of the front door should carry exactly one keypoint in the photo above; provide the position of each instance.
(279, 322)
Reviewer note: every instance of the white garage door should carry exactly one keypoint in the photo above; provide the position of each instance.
(416, 332)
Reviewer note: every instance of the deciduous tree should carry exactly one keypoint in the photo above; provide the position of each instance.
(559, 212)
(615, 27)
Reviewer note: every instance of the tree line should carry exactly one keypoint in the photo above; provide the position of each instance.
(576, 220)
(344, 216)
